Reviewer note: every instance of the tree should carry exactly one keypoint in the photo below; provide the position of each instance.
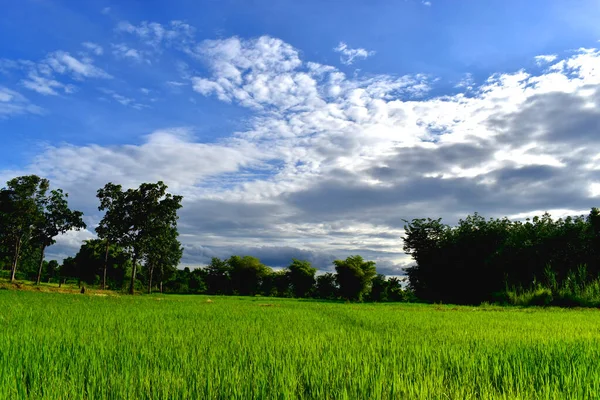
(163, 253)
(136, 217)
(91, 262)
(354, 276)
(247, 274)
(111, 198)
(56, 218)
(277, 284)
(379, 288)
(326, 287)
(21, 204)
(302, 277)
(52, 269)
(218, 277)
(394, 289)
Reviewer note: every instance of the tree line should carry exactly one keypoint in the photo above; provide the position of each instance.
(138, 229)
(138, 246)
(481, 260)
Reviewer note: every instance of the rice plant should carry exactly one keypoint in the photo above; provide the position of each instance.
(72, 346)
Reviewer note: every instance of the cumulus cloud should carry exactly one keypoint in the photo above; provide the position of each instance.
(331, 165)
(349, 55)
(545, 59)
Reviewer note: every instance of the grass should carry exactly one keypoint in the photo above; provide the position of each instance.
(74, 346)
(70, 287)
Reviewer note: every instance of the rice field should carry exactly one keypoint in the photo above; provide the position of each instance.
(73, 346)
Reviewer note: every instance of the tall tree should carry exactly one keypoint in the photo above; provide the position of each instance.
(354, 276)
(135, 217)
(56, 218)
(111, 198)
(302, 277)
(21, 204)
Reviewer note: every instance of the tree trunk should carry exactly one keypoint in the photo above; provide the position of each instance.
(160, 287)
(150, 281)
(13, 268)
(105, 266)
(133, 272)
(39, 276)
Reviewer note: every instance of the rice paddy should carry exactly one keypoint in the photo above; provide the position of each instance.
(73, 346)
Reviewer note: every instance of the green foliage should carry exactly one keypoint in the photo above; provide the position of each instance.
(144, 222)
(21, 210)
(326, 286)
(247, 274)
(218, 277)
(88, 264)
(302, 277)
(184, 347)
(354, 276)
(477, 259)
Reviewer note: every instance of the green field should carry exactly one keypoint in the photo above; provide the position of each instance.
(72, 346)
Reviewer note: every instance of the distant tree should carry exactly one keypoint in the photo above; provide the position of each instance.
(394, 289)
(379, 288)
(56, 218)
(179, 282)
(277, 284)
(354, 276)
(21, 204)
(218, 277)
(52, 269)
(302, 277)
(68, 269)
(247, 274)
(326, 286)
(163, 252)
(422, 241)
(92, 263)
(197, 283)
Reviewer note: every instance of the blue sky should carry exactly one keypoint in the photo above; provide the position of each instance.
(305, 128)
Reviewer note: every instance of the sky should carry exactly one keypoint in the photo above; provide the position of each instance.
(306, 129)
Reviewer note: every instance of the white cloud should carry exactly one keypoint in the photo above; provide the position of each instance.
(64, 63)
(94, 48)
(47, 77)
(123, 100)
(545, 59)
(13, 103)
(426, 3)
(349, 55)
(121, 50)
(155, 35)
(332, 164)
(45, 86)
